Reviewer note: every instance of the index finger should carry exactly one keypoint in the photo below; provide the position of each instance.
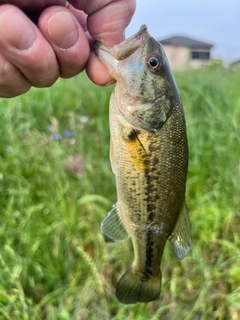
(106, 22)
(107, 19)
(34, 5)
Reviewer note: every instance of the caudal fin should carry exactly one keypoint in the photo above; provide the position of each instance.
(132, 288)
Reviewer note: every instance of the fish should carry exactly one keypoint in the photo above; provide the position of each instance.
(149, 157)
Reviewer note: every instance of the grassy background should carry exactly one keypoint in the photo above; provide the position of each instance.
(55, 264)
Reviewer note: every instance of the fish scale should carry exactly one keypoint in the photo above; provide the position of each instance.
(149, 156)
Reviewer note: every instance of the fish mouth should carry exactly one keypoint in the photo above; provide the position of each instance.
(127, 47)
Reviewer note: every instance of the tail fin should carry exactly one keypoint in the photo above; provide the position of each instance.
(132, 288)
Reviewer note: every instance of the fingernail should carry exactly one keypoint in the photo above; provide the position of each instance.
(71, 30)
(16, 30)
(110, 82)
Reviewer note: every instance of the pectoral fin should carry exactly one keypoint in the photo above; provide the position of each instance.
(180, 239)
(113, 227)
(137, 152)
(112, 156)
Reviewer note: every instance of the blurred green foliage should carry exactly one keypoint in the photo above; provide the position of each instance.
(56, 188)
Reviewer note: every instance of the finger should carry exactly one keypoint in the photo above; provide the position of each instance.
(25, 47)
(12, 81)
(79, 14)
(67, 38)
(36, 4)
(106, 23)
(107, 19)
(97, 72)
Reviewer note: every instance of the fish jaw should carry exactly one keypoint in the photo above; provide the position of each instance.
(128, 46)
(111, 57)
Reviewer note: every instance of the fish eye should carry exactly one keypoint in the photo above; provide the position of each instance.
(154, 63)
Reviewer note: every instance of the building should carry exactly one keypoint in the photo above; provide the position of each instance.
(235, 65)
(183, 52)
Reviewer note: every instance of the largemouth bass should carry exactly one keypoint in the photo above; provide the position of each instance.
(149, 157)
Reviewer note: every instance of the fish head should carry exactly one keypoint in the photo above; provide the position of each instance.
(140, 67)
(145, 91)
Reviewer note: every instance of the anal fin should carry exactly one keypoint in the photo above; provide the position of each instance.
(113, 227)
(180, 239)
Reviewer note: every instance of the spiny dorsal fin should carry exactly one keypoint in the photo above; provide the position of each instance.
(180, 239)
(113, 227)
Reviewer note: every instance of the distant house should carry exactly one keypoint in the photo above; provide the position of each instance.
(183, 52)
(235, 65)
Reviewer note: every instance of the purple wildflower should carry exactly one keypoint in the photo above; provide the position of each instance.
(67, 133)
(56, 136)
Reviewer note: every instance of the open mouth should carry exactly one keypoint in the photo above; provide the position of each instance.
(127, 47)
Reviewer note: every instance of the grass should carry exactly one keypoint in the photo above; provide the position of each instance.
(55, 192)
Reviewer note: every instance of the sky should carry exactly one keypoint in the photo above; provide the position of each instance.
(212, 21)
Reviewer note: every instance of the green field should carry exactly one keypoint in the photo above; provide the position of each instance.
(57, 186)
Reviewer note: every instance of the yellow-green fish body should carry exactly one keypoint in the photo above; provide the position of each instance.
(149, 157)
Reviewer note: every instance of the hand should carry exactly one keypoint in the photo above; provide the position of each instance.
(60, 44)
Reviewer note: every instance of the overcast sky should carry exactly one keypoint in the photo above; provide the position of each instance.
(212, 21)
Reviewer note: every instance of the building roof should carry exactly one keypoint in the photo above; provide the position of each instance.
(186, 42)
(237, 61)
